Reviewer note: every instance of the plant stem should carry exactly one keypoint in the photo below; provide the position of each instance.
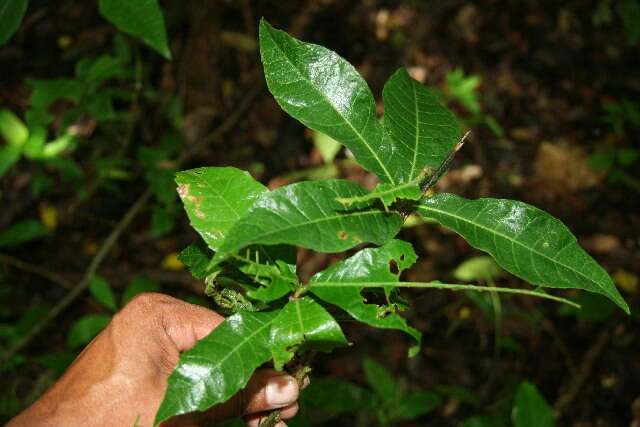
(449, 286)
(301, 371)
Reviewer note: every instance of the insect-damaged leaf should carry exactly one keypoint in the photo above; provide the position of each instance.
(216, 198)
(523, 240)
(304, 323)
(219, 365)
(342, 283)
(307, 214)
(425, 131)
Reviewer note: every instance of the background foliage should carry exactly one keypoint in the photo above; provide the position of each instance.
(91, 118)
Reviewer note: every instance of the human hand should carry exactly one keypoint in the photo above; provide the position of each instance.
(120, 378)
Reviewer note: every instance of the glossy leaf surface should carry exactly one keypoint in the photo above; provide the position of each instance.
(530, 409)
(219, 365)
(523, 240)
(368, 265)
(425, 130)
(11, 14)
(303, 323)
(216, 198)
(142, 19)
(322, 90)
(306, 214)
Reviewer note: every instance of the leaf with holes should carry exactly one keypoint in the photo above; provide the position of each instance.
(303, 325)
(523, 240)
(339, 285)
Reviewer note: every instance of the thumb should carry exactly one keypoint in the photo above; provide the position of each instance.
(185, 323)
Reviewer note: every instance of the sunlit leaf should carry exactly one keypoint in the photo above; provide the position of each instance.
(523, 240)
(219, 365)
(322, 90)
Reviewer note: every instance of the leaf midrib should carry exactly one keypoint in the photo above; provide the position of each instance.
(364, 141)
(236, 348)
(552, 260)
(315, 221)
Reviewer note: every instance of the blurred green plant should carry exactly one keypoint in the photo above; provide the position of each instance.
(619, 158)
(464, 89)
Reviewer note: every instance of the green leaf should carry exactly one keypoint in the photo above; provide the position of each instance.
(48, 90)
(196, 256)
(11, 14)
(219, 365)
(307, 214)
(594, 308)
(480, 268)
(323, 91)
(415, 405)
(327, 146)
(142, 19)
(23, 232)
(338, 285)
(337, 396)
(138, 286)
(162, 221)
(523, 240)
(86, 328)
(530, 409)
(387, 194)
(100, 289)
(426, 131)
(303, 324)
(216, 198)
(9, 155)
(381, 381)
(12, 129)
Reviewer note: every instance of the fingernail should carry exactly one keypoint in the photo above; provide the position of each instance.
(281, 391)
